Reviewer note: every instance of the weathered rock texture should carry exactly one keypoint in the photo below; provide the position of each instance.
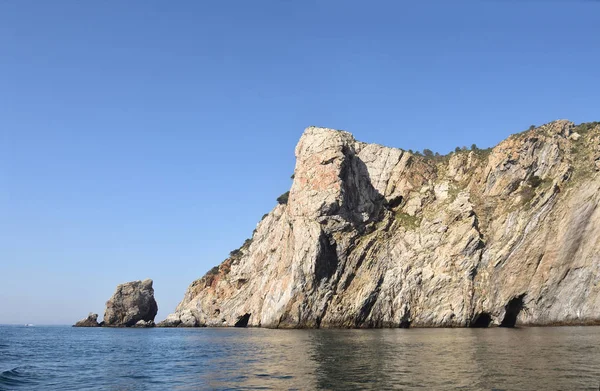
(379, 237)
(132, 304)
(90, 321)
(144, 324)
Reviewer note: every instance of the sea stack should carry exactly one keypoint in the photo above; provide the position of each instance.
(132, 305)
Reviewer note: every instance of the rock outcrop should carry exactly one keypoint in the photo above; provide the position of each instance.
(132, 304)
(90, 321)
(144, 324)
(372, 236)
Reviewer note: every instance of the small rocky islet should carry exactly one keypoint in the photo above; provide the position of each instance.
(371, 236)
(90, 321)
(132, 305)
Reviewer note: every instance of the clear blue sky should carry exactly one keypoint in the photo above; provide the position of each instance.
(145, 139)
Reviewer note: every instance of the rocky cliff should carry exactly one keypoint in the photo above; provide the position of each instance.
(372, 236)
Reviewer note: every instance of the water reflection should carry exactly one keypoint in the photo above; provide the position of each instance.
(399, 359)
(469, 359)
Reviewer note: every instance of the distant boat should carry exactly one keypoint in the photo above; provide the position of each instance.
(28, 325)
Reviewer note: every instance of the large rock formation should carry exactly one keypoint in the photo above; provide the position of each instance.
(380, 237)
(132, 304)
(90, 321)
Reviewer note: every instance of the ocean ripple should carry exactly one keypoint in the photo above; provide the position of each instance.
(64, 358)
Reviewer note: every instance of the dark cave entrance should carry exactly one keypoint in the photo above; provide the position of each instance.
(395, 202)
(512, 310)
(242, 321)
(482, 320)
(405, 320)
(327, 259)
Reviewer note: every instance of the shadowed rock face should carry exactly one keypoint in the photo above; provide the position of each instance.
(90, 321)
(132, 304)
(378, 237)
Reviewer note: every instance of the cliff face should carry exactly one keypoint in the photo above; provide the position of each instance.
(378, 237)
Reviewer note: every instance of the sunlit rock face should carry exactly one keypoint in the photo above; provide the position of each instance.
(132, 305)
(373, 236)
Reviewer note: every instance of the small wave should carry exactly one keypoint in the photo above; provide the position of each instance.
(14, 378)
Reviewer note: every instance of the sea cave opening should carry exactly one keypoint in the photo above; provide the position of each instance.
(482, 320)
(242, 321)
(512, 310)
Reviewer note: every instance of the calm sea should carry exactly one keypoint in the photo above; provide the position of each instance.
(65, 358)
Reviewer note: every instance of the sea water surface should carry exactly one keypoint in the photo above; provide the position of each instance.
(65, 358)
